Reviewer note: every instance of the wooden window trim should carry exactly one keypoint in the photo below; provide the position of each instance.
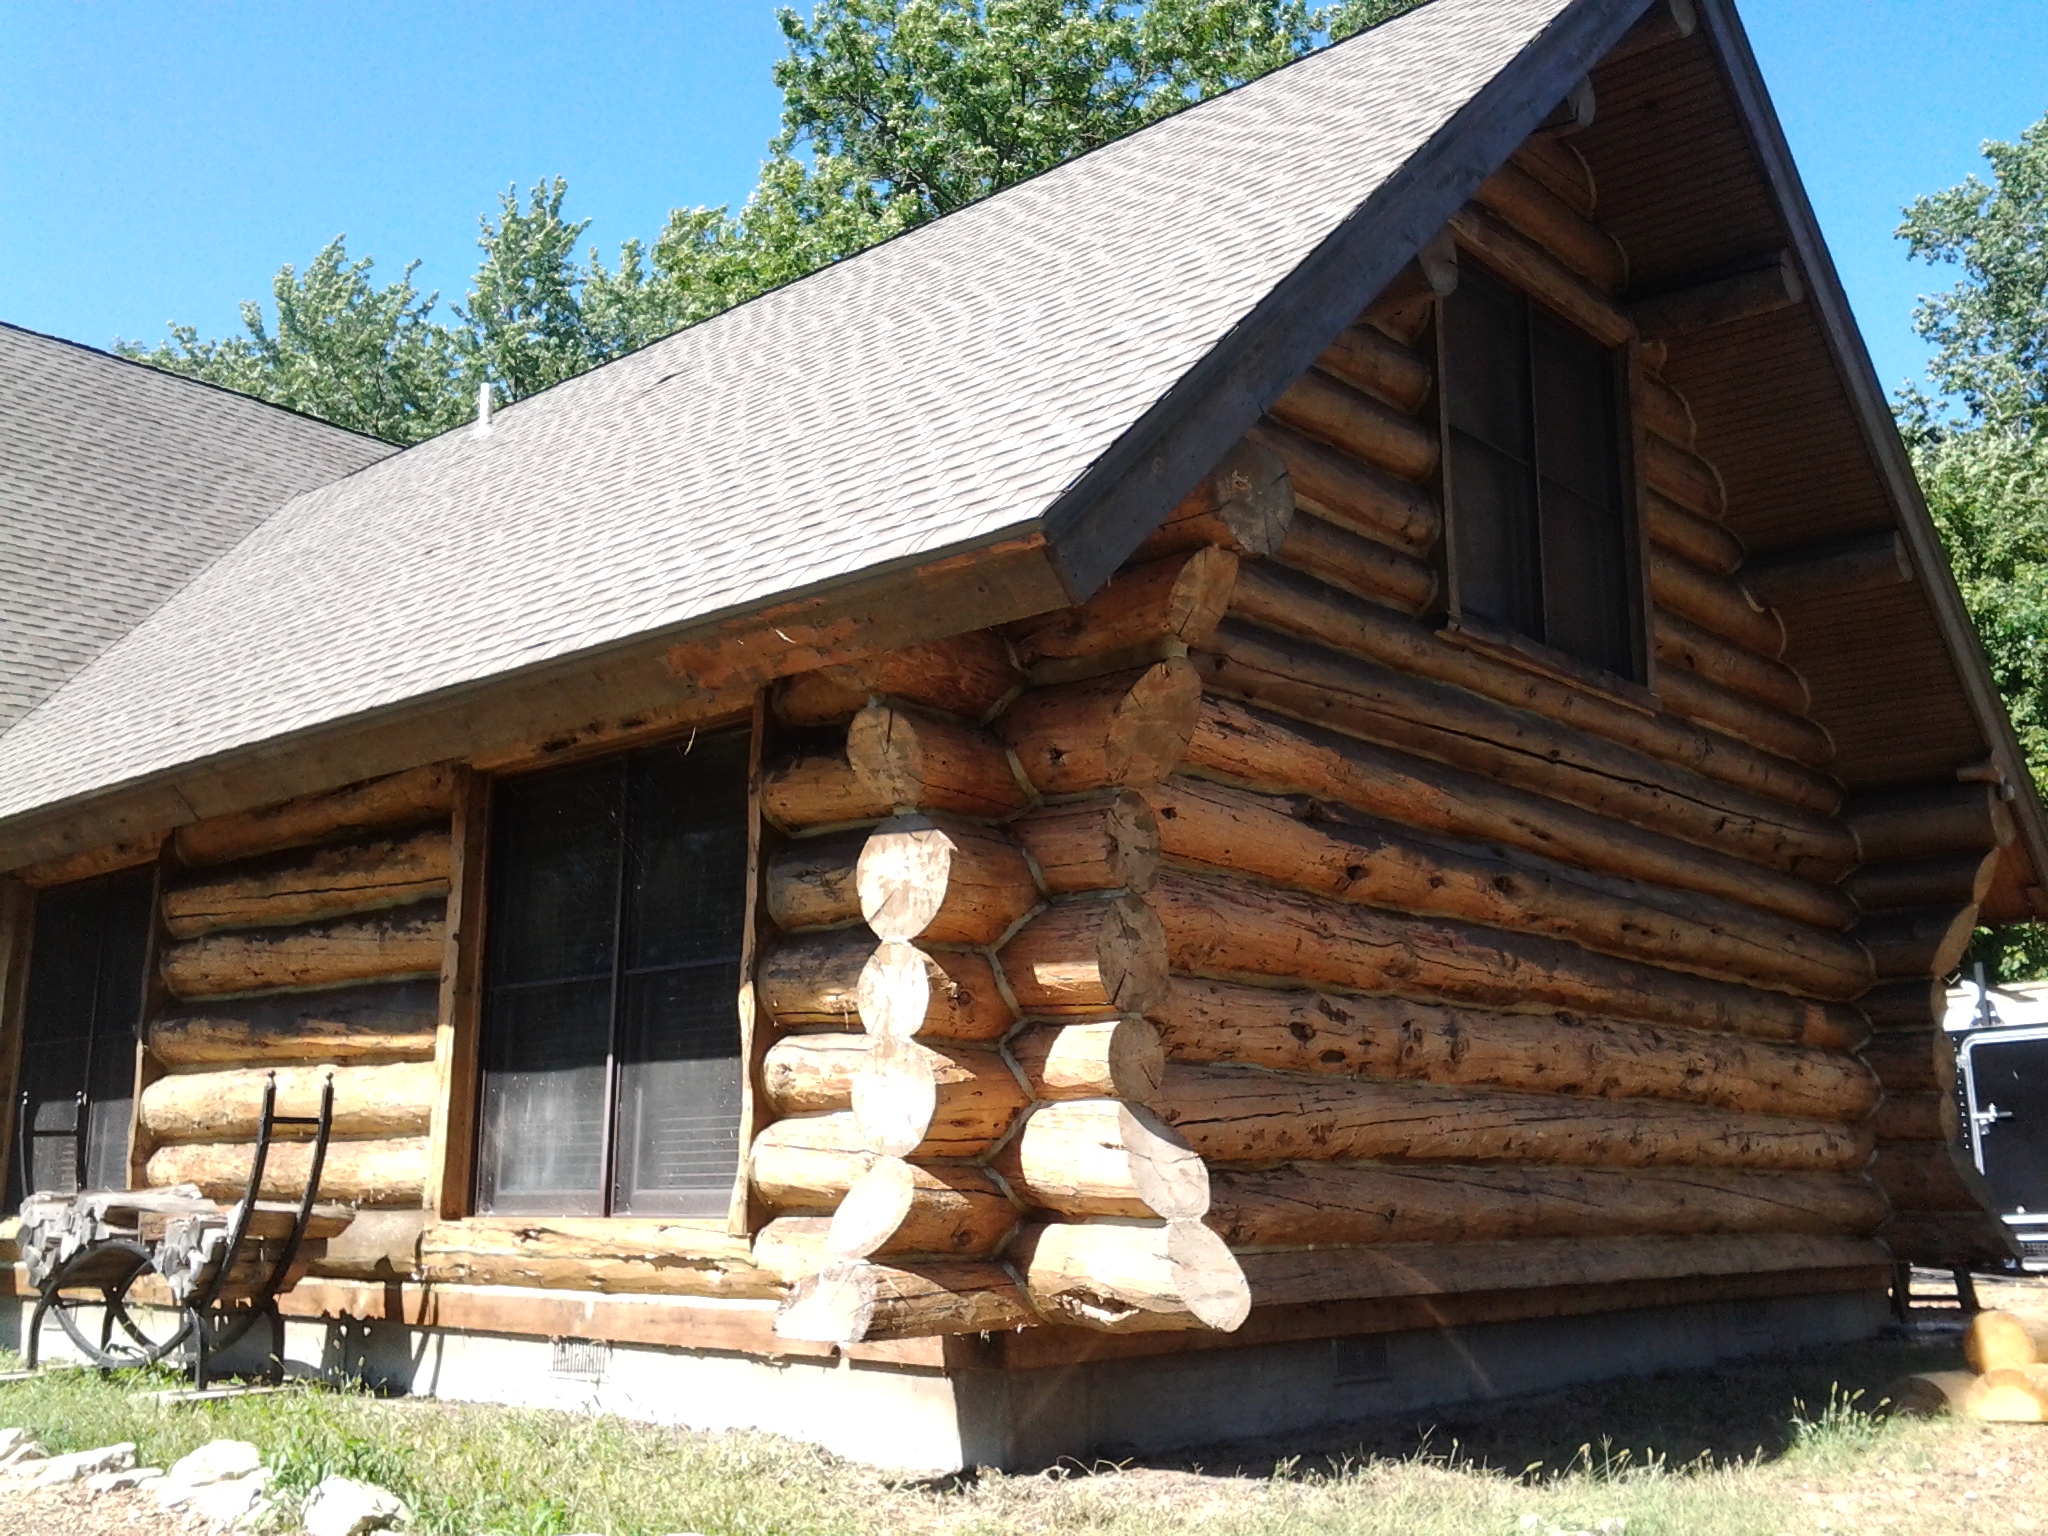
(17, 933)
(156, 999)
(743, 1215)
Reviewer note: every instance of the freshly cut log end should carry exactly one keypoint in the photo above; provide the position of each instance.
(1244, 507)
(1126, 1277)
(853, 1302)
(1999, 1341)
(1088, 955)
(391, 1173)
(966, 675)
(1101, 1059)
(947, 881)
(358, 877)
(1123, 728)
(950, 1101)
(919, 763)
(903, 991)
(899, 1208)
(1100, 1157)
(338, 1025)
(406, 941)
(384, 1101)
(1104, 844)
(1180, 597)
(418, 794)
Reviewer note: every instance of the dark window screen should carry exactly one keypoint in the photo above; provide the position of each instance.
(84, 1000)
(1539, 539)
(611, 1037)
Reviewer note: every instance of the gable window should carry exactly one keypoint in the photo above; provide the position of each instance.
(610, 1040)
(1540, 543)
(79, 1016)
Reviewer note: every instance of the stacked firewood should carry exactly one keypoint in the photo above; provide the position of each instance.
(2007, 1381)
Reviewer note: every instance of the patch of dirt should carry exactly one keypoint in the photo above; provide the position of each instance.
(71, 1511)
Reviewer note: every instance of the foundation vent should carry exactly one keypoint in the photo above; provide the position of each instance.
(581, 1359)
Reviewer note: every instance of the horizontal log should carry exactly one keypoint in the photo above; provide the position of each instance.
(793, 1248)
(922, 1100)
(1345, 1035)
(1719, 301)
(1244, 505)
(1221, 926)
(1921, 1176)
(1404, 308)
(1763, 726)
(1948, 879)
(1923, 823)
(1248, 746)
(1317, 1202)
(1908, 1117)
(388, 1172)
(1368, 501)
(1353, 563)
(1098, 1059)
(1682, 478)
(1102, 1157)
(922, 763)
(1123, 1277)
(1530, 208)
(814, 978)
(382, 1101)
(1312, 846)
(90, 863)
(941, 879)
(417, 795)
(1349, 419)
(1913, 1006)
(809, 882)
(894, 1208)
(1700, 540)
(1179, 597)
(1866, 563)
(1683, 644)
(1534, 270)
(1662, 24)
(404, 941)
(967, 675)
(809, 1074)
(1947, 1239)
(1561, 169)
(1089, 956)
(1367, 358)
(1665, 412)
(1106, 843)
(1123, 728)
(950, 994)
(342, 1024)
(1917, 941)
(853, 1302)
(1904, 1061)
(1717, 604)
(1243, 1115)
(815, 786)
(378, 1245)
(357, 877)
(808, 1162)
(1379, 703)
(617, 1255)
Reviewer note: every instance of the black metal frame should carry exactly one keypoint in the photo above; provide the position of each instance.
(111, 1267)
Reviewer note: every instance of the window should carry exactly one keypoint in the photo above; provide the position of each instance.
(1540, 543)
(610, 1037)
(83, 1003)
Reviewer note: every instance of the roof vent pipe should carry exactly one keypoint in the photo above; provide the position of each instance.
(483, 410)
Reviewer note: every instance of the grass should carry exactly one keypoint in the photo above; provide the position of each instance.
(1764, 1449)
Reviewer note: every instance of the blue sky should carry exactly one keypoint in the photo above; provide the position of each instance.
(160, 161)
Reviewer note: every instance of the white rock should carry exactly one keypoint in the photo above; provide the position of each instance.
(218, 1461)
(78, 1464)
(227, 1501)
(17, 1460)
(114, 1482)
(11, 1439)
(341, 1506)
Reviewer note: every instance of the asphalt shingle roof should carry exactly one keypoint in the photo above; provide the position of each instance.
(936, 392)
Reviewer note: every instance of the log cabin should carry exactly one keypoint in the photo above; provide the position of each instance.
(1320, 762)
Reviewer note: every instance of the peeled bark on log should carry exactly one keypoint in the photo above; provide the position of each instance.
(857, 1302)
(1717, 604)
(919, 763)
(1219, 926)
(1102, 1157)
(1128, 1278)
(1179, 597)
(923, 1100)
(1530, 267)
(1908, 1117)
(814, 978)
(809, 1074)
(793, 1247)
(1681, 643)
(406, 941)
(1700, 540)
(809, 882)
(1926, 823)
(1386, 706)
(1366, 358)
(1528, 206)
(1344, 1035)
(1124, 728)
(1368, 501)
(1238, 743)
(1311, 847)
(357, 877)
(614, 1255)
(1108, 843)
(897, 1208)
(1921, 1176)
(383, 1101)
(1351, 420)
(948, 994)
(1361, 566)
(1313, 1202)
(1241, 1115)
(1244, 506)
(418, 794)
(390, 1172)
(340, 1025)
(807, 1163)
(1918, 941)
(1088, 956)
(1946, 880)
(943, 880)
(817, 787)
(1664, 411)
(1103, 1059)
(1763, 726)
(966, 675)
(2010, 1399)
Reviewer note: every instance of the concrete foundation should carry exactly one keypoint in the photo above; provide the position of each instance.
(932, 1420)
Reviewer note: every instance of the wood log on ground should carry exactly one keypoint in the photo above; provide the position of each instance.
(809, 1074)
(1349, 419)
(967, 675)
(1536, 271)
(382, 1101)
(921, 763)
(1100, 1059)
(1345, 1035)
(1123, 728)
(944, 880)
(1317, 1202)
(1106, 843)
(1242, 1115)
(1699, 540)
(385, 1172)
(858, 1302)
(619, 1255)
(927, 1100)
(1103, 1157)
(1221, 926)
(1681, 643)
(896, 1208)
(1088, 956)
(340, 1025)
(1315, 847)
(1921, 1176)
(1353, 563)
(1917, 941)
(1366, 358)
(1999, 1397)
(1179, 597)
(1665, 411)
(1763, 726)
(1526, 205)
(1561, 169)
(1127, 1277)
(356, 877)
(405, 941)
(1997, 1340)
(1333, 485)
(1717, 604)
(1244, 506)
(1928, 822)
(808, 1162)
(816, 786)
(1391, 708)
(1247, 745)
(814, 978)
(417, 795)
(809, 882)
(1946, 880)
(949, 994)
